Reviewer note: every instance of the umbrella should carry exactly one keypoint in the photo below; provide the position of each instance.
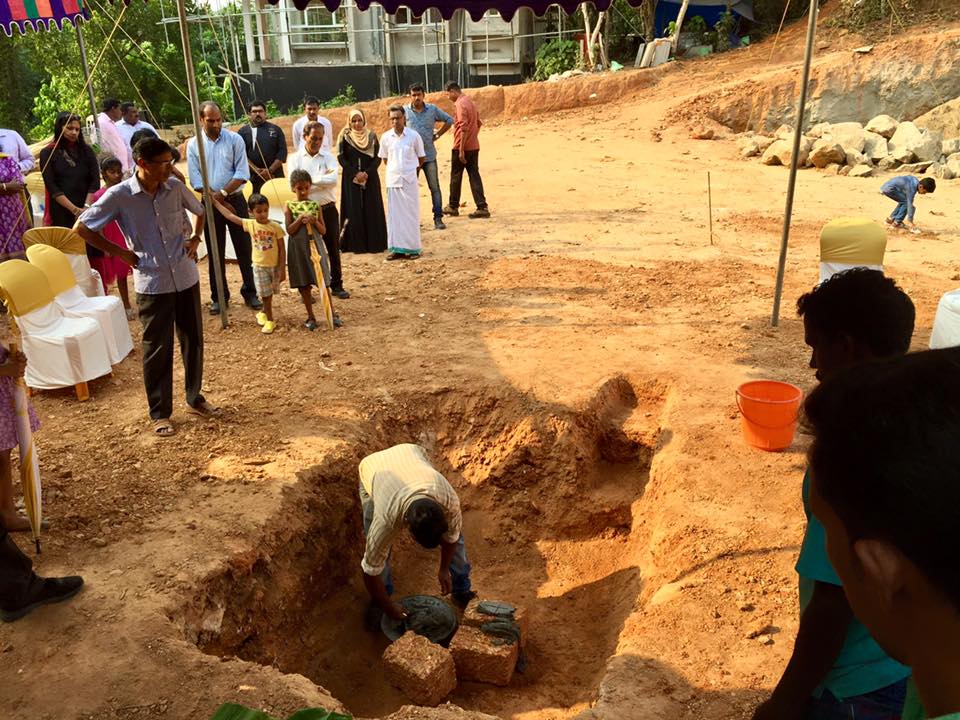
(29, 465)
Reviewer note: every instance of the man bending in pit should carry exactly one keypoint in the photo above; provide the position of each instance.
(400, 489)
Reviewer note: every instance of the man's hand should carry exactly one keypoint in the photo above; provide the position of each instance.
(265, 173)
(191, 248)
(463, 158)
(129, 257)
(218, 196)
(395, 611)
(446, 582)
(772, 710)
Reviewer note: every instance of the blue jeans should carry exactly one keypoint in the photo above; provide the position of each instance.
(900, 213)
(459, 565)
(433, 182)
(883, 704)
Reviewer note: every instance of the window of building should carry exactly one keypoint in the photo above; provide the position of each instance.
(404, 17)
(317, 25)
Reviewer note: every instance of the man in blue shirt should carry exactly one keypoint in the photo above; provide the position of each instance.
(228, 172)
(837, 669)
(903, 189)
(149, 208)
(422, 118)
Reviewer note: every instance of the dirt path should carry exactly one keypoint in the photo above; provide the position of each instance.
(571, 363)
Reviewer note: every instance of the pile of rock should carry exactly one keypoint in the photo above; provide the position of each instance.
(852, 149)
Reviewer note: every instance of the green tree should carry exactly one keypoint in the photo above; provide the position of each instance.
(143, 63)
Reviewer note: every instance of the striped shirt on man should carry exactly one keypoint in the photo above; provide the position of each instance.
(394, 479)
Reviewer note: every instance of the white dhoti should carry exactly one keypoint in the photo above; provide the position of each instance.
(403, 218)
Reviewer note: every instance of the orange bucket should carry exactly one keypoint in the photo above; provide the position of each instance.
(768, 413)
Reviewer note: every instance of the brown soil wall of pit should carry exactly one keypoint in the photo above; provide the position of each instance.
(549, 498)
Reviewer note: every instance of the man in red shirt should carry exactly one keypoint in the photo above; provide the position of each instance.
(466, 153)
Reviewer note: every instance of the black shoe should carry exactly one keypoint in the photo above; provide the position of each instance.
(479, 213)
(462, 599)
(337, 322)
(53, 590)
(254, 303)
(214, 308)
(438, 224)
(341, 293)
(310, 324)
(395, 256)
(412, 256)
(451, 211)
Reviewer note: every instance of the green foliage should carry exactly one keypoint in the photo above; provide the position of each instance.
(346, 96)
(724, 28)
(232, 711)
(556, 56)
(44, 73)
(273, 110)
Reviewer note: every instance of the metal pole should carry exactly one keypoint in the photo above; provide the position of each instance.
(423, 35)
(792, 182)
(211, 226)
(88, 79)
(486, 26)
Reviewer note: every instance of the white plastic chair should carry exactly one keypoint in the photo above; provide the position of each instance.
(72, 245)
(108, 311)
(61, 351)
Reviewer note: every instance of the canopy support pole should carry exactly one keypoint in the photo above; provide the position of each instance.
(211, 228)
(794, 162)
(87, 79)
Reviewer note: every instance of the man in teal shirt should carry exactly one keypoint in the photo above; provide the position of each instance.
(837, 670)
(889, 501)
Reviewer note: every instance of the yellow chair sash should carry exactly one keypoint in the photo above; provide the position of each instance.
(63, 239)
(853, 241)
(55, 265)
(23, 287)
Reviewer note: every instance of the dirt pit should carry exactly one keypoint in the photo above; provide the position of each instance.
(550, 499)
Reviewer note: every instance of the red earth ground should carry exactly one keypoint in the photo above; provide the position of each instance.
(571, 363)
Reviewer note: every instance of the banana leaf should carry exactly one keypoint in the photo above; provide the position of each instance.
(232, 711)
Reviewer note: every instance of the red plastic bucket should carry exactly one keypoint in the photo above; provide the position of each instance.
(768, 413)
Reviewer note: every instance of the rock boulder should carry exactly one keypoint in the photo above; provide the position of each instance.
(910, 142)
(915, 168)
(861, 171)
(781, 152)
(951, 146)
(876, 147)
(953, 164)
(883, 125)
(850, 135)
(827, 152)
(888, 163)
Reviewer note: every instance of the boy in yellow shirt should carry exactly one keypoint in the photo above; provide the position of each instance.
(269, 255)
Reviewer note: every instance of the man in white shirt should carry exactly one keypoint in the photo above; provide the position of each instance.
(130, 122)
(311, 109)
(323, 169)
(402, 149)
(13, 144)
(111, 141)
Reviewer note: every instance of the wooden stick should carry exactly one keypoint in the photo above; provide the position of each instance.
(710, 205)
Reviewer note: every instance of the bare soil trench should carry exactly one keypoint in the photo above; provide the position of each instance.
(549, 497)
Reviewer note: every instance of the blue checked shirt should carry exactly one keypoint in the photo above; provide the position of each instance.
(226, 160)
(156, 230)
(424, 124)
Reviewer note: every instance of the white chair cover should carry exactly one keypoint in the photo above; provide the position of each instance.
(829, 269)
(61, 351)
(108, 312)
(87, 278)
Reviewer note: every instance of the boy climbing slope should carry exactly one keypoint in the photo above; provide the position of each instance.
(904, 189)
(889, 501)
(837, 670)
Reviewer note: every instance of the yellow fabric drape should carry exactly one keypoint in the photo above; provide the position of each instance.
(853, 241)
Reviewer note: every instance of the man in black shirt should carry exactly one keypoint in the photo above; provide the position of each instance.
(266, 146)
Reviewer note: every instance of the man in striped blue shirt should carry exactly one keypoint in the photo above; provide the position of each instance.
(227, 172)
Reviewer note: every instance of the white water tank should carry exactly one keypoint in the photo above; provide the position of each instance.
(946, 324)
